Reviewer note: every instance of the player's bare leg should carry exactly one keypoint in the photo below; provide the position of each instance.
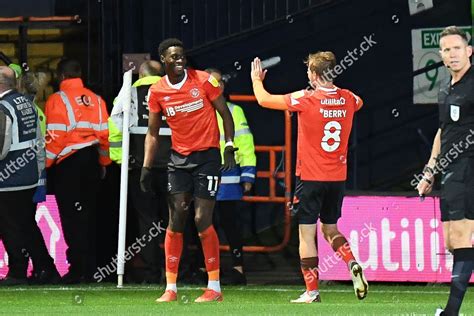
(179, 209)
(309, 264)
(210, 246)
(340, 245)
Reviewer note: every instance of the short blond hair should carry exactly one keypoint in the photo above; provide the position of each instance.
(321, 63)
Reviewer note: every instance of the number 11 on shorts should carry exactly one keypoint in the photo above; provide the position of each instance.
(212, 183)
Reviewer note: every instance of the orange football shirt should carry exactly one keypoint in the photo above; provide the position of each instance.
(188, 110)
(324, 126)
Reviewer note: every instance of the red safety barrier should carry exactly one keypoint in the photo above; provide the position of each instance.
(21, 19)
(73, 18)
(12, 19)
(272, 176)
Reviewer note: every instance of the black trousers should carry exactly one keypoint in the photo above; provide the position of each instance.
(39, 254)
(76, 184)
(150, 208)
(227, 212)
(20, 233)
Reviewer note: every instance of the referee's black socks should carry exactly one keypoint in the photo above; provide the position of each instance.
(462, 269)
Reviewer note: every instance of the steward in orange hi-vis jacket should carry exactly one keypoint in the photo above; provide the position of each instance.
(76, 118)
(77, 148)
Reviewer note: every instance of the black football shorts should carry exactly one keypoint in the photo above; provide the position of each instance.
(198, 173)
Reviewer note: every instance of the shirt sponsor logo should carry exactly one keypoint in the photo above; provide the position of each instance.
(340, 101)
(333, 113)
(194, 92)
(190, 107)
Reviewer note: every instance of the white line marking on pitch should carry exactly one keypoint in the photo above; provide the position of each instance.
(93, 289)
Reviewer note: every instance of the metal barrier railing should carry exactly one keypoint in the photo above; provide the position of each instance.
(272, 177)
(204, 21)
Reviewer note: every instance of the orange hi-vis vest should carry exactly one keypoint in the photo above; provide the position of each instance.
(75, 118)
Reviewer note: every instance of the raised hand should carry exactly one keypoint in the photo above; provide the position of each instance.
(257, 73)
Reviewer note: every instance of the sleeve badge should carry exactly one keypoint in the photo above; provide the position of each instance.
(297, 94)
(213, 81)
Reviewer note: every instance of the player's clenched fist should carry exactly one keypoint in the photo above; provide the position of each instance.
(229, 158)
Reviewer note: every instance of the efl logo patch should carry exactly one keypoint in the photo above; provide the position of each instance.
(297, 94)
(455, 112)
(294, 101)
(213, 81)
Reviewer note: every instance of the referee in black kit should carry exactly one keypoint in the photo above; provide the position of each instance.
(453, 155)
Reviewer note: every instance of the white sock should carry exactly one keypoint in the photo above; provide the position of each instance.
(312, 293)
(214, 285)
(172, 287)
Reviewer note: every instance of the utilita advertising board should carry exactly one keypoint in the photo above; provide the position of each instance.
(394, 238)
(47, 216)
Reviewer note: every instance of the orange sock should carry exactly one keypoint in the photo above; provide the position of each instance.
(173, 249)
(310, 279)
(309, 268)
(210, 247)
(345, 252)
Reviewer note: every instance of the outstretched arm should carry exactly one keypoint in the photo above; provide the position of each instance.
(265, 99)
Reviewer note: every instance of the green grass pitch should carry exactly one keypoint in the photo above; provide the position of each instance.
(337, 299)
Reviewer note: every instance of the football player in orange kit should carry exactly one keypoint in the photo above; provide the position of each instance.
(189, 99)
(325, 120)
